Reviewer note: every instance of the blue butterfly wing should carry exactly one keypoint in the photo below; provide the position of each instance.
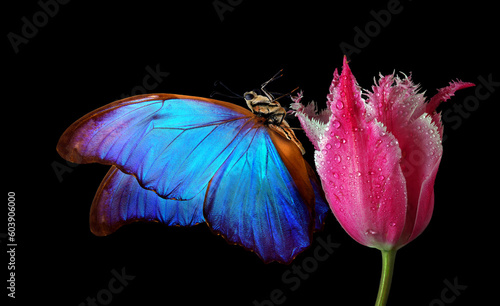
(121, 200)
(321, 207)
(173, 144)
(253, 185)
(254, 201)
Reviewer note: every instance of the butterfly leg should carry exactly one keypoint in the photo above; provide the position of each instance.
(284, 130)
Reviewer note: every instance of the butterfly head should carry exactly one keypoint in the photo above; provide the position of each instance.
(256, 101)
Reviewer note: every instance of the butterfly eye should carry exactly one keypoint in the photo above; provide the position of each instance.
(249, 96)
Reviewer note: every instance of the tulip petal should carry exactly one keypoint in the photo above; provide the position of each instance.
(358, 163)
(446, 93)
(314, 124)
(403, 110)
(395, 99)
(420, 143)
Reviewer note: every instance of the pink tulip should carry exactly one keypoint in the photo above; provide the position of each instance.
(377, 154)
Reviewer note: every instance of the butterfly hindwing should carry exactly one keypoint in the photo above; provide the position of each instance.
(121, 200)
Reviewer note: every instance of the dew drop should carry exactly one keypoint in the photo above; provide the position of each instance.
(343, 140)
(371, 232)
(392, 224)
(340, 105)
(337, 158)
(336, 123)
(381, 177)
(328, 146)
(336, 175)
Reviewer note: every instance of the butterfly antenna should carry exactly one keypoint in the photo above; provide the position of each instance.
(291, 92)
(217, 83)
(276, 76)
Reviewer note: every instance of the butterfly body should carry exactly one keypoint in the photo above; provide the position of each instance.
(266, 107)
(184, 160)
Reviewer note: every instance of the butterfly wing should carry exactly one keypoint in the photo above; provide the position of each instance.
(121, 200)
(173, 144)
(254, 201)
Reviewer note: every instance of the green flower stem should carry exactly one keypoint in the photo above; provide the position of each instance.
(388, 258)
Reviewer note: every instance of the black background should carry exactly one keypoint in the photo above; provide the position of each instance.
(90, 53)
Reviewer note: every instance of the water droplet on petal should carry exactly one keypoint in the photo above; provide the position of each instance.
(392, 224)
(371, 232)
(336, 123)
(340, 105)
(381, 177)
(337, 158)
(328, 146)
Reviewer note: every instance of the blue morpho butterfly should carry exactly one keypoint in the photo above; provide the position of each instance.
(183, 160)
